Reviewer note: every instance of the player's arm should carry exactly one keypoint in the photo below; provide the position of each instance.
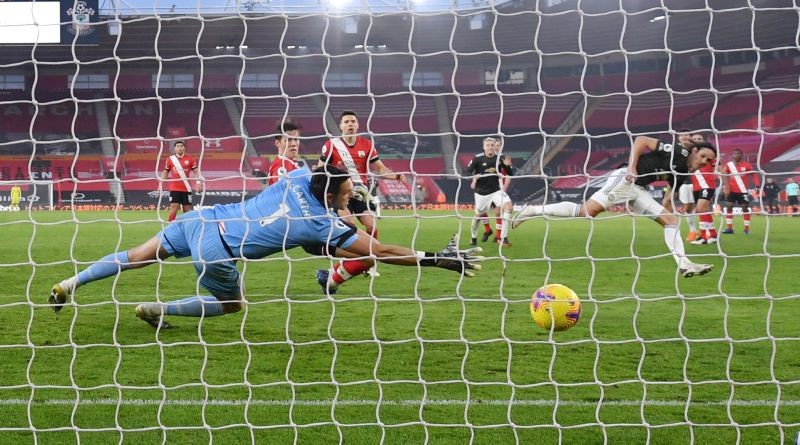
(471, 169)
(507, 173)
(451, 258)
(196, 175)
(164, 175)
(641, 145)
(381, 170)
(325, 157)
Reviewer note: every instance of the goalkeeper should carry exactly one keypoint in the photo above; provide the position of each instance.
(295, 212)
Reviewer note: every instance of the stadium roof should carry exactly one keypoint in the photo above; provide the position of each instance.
(292, 7)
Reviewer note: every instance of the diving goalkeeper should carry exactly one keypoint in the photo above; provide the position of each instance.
(295, 212)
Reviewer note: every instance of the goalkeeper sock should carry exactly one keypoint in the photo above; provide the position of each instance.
(672, 236)
(105, 267)
(344, 271)
(198, 306)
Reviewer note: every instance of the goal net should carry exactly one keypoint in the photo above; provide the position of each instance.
(414, 355)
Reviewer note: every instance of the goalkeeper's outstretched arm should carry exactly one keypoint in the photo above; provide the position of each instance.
(451, 258)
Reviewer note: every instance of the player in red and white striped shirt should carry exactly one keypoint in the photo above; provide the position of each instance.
(287, 141)
(741, 179)
(357, 155)
(178, 167)
(704, 187)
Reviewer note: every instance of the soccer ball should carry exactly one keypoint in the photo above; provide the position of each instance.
(555, 307)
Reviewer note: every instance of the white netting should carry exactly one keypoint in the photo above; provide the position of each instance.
(413, 355)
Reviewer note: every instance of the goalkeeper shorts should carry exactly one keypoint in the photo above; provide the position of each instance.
(191, 235)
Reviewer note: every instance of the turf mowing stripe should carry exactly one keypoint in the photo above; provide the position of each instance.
(432, 402)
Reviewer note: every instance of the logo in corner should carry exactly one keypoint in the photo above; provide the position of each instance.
(81, 18)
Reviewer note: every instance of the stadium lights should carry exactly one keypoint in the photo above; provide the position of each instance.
(220, 47)
(291, 47)
(382, 46)
(657, 18)
(358, 46)
(243, 47)
(302, 47)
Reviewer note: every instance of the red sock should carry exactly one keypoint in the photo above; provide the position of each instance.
(706, 225)
(344, 271)
(747, 221)
(729, 218)
(172, 216)
(486, 227)
(498, 224)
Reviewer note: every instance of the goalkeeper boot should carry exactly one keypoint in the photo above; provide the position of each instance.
(58, 296)
(486, 236)
(322, 279)
(151, 313)
(691, 269)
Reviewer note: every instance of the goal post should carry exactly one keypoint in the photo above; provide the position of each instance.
(35, 194)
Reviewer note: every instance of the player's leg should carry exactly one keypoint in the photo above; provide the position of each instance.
(341, 271)
(505, 208)
(112, 264)
(487, 228)
(746, 214)
(616, 190)
(217, 273)
(482, 203)
(706, 216)
(686, 197)
(173, 211)
(646, 205)
(729, 215)
(498, 220)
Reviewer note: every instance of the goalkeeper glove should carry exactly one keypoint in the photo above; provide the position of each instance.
(452, 258)
(360, 192)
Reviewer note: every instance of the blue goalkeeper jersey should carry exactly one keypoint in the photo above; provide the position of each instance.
(282, 216)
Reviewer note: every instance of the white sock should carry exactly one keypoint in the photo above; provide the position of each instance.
(565, 209)
(70, 284)
(506, 223)
(474, 227)
(672, 236)
(692, 219)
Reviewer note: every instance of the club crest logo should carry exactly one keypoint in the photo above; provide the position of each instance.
(81, 19)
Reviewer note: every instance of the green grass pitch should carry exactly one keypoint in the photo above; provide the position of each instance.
(415, 355)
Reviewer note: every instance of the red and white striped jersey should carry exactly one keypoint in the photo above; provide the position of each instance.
(354, 159)
(741, 176)
(278, 169)
(704, 178)
(177, 179)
